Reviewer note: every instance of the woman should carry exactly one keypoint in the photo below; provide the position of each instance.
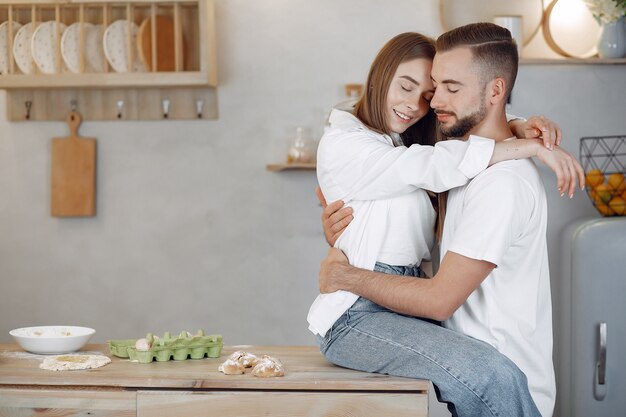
(377, 159)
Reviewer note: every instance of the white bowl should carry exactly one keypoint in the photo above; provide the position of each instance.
(52, 339)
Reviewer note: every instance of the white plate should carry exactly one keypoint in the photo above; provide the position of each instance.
(115, 43)
(70, 48)
(21, 49)
(43, 47)
(52, 339)
(94, 52)
(4, 45)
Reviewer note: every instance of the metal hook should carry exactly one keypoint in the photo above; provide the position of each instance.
(199, 107)
(166, 108)
(28, 104)
(73, 104)
(120, 107)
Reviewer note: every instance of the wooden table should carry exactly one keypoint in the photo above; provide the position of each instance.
(311, 387)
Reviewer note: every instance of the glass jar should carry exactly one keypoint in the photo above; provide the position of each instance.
(300, 148)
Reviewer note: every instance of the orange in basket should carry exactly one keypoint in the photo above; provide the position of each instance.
(617, 183)
(618, 205)
(594, 178)
(604, 161)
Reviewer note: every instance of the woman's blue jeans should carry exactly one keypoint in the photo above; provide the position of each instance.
(471, 376)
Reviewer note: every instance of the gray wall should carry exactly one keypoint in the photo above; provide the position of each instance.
(192, 231)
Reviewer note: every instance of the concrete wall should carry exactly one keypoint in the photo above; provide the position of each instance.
(191, 230)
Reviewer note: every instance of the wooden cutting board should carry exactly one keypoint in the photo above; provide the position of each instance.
(165, 43)
(73, 191)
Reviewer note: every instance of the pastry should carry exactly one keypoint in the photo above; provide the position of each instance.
(248, 360)
(231, 367)
(268, 367)
(74, 362)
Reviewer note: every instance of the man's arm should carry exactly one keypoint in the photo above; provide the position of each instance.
(436, 298)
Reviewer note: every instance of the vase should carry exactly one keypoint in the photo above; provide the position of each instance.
(612, 40)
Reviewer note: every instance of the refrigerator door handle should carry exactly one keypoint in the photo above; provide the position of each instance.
(600, 377)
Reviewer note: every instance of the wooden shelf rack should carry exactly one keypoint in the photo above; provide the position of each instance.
(187, 91)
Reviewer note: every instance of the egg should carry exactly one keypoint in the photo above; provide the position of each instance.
(142, 344)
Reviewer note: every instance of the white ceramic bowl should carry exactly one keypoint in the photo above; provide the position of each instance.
(52, 339)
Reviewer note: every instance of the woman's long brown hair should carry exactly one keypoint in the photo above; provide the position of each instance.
(370, 108)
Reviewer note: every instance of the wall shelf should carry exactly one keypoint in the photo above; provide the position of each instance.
(178, 80)
(295, 166)
(572, 61)
(149, 79)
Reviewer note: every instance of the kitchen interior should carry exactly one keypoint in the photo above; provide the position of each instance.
(202, 215)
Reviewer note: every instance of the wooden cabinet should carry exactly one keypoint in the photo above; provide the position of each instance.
(280, 404)
(167, 46)
(25, 402)
(312, 387)
(106, 403)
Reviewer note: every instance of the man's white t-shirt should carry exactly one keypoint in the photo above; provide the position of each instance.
(501, 217)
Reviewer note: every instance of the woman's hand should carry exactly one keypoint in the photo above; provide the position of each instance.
(538, 127)
(335, 217)
(567, 169)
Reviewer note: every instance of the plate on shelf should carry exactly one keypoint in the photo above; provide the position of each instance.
(4, 45)
(21, 48)
(94, 54)
(165, 44)
(43, 47)
(115, 44)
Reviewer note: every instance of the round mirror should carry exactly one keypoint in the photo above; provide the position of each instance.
(570, 29)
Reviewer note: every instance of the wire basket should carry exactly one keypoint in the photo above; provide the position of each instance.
(604, 160)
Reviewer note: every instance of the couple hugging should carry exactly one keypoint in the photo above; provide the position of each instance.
(481, 327)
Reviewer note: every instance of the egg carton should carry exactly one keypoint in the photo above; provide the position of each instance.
(163, 349)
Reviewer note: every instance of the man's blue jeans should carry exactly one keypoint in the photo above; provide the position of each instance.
(468, 374)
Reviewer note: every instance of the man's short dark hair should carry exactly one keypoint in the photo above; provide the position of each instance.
(493, 49)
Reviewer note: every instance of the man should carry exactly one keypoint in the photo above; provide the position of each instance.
(493, 281)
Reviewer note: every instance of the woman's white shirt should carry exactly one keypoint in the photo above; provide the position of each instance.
(384, 184)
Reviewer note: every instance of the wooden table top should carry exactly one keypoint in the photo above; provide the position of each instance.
(305, 367)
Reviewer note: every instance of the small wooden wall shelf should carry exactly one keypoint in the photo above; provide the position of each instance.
(572, 61)
(179, 77)
(294, 166)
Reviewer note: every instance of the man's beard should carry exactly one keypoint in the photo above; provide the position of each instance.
(465, 124)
